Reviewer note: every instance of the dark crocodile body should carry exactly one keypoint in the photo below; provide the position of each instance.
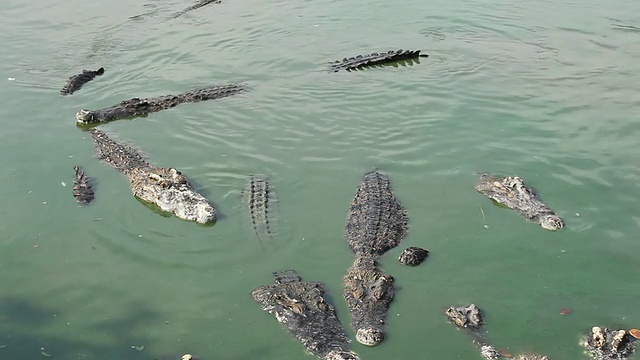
(511, 192)
(368, 293)
(413, 256)
(607, 344)
(163, 186)
(376, 221)
(302, 308)
(373, 59)
(259, 197)
(76, 81)
(82, 188)
(195, 6)
(138, 107)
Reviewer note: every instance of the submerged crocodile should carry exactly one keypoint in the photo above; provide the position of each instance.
(164, 186)
(361, 61)
(260, 199)
(138, 107)
(302, 308)
(470, 319)
(608, 344)
(195, 6)
(75, 82)
(376, 221)
(82, 188)
(510, 191)
(368, 293)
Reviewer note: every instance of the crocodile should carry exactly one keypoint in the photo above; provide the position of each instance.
(303, 309)
(604, 343)
(361, 61)
(163, 186)
(197, 5)
(82, 188)
(376, 221)
(510, 191)
(139, 107)
(75, 82)
(413, 256)
(368, 293)
(259, 197)
(531, 357)
(470, 319)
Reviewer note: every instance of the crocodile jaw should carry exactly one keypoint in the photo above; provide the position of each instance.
(85, 117)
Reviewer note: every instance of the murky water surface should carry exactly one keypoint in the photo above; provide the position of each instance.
(545, 90)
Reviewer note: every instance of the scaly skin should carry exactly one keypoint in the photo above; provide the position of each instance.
(259, 197)
(608, 344)
(82, 188)
(360, 61)
(302, 308)
(197, 5)
(368, 293)
(376, 221)
(76, 81)
(470, 319)
(413, 256)
(163, 186)
(511, 192)
(138, 107)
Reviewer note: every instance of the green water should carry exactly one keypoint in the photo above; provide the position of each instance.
(545, 90)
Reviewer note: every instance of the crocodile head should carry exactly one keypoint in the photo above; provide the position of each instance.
(369, 336)
(551, 222)
(368, 293)
(85, 116)
(172, 192)
(465, 316)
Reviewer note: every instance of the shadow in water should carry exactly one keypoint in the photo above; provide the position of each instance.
(26, 328)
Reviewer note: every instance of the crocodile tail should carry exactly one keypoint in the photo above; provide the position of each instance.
(82, 188)
(259, 198)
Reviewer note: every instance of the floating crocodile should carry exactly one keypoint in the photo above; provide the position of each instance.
(470, 319)
(138, 107)
(607, 344)
(373, 59)
(510, 191)
(368, 293)
(195, 6)
(376, 221)
(260, 199)
(82, 188)
(413, 256)
(163, 186)
(76, 81)
(301, 307)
